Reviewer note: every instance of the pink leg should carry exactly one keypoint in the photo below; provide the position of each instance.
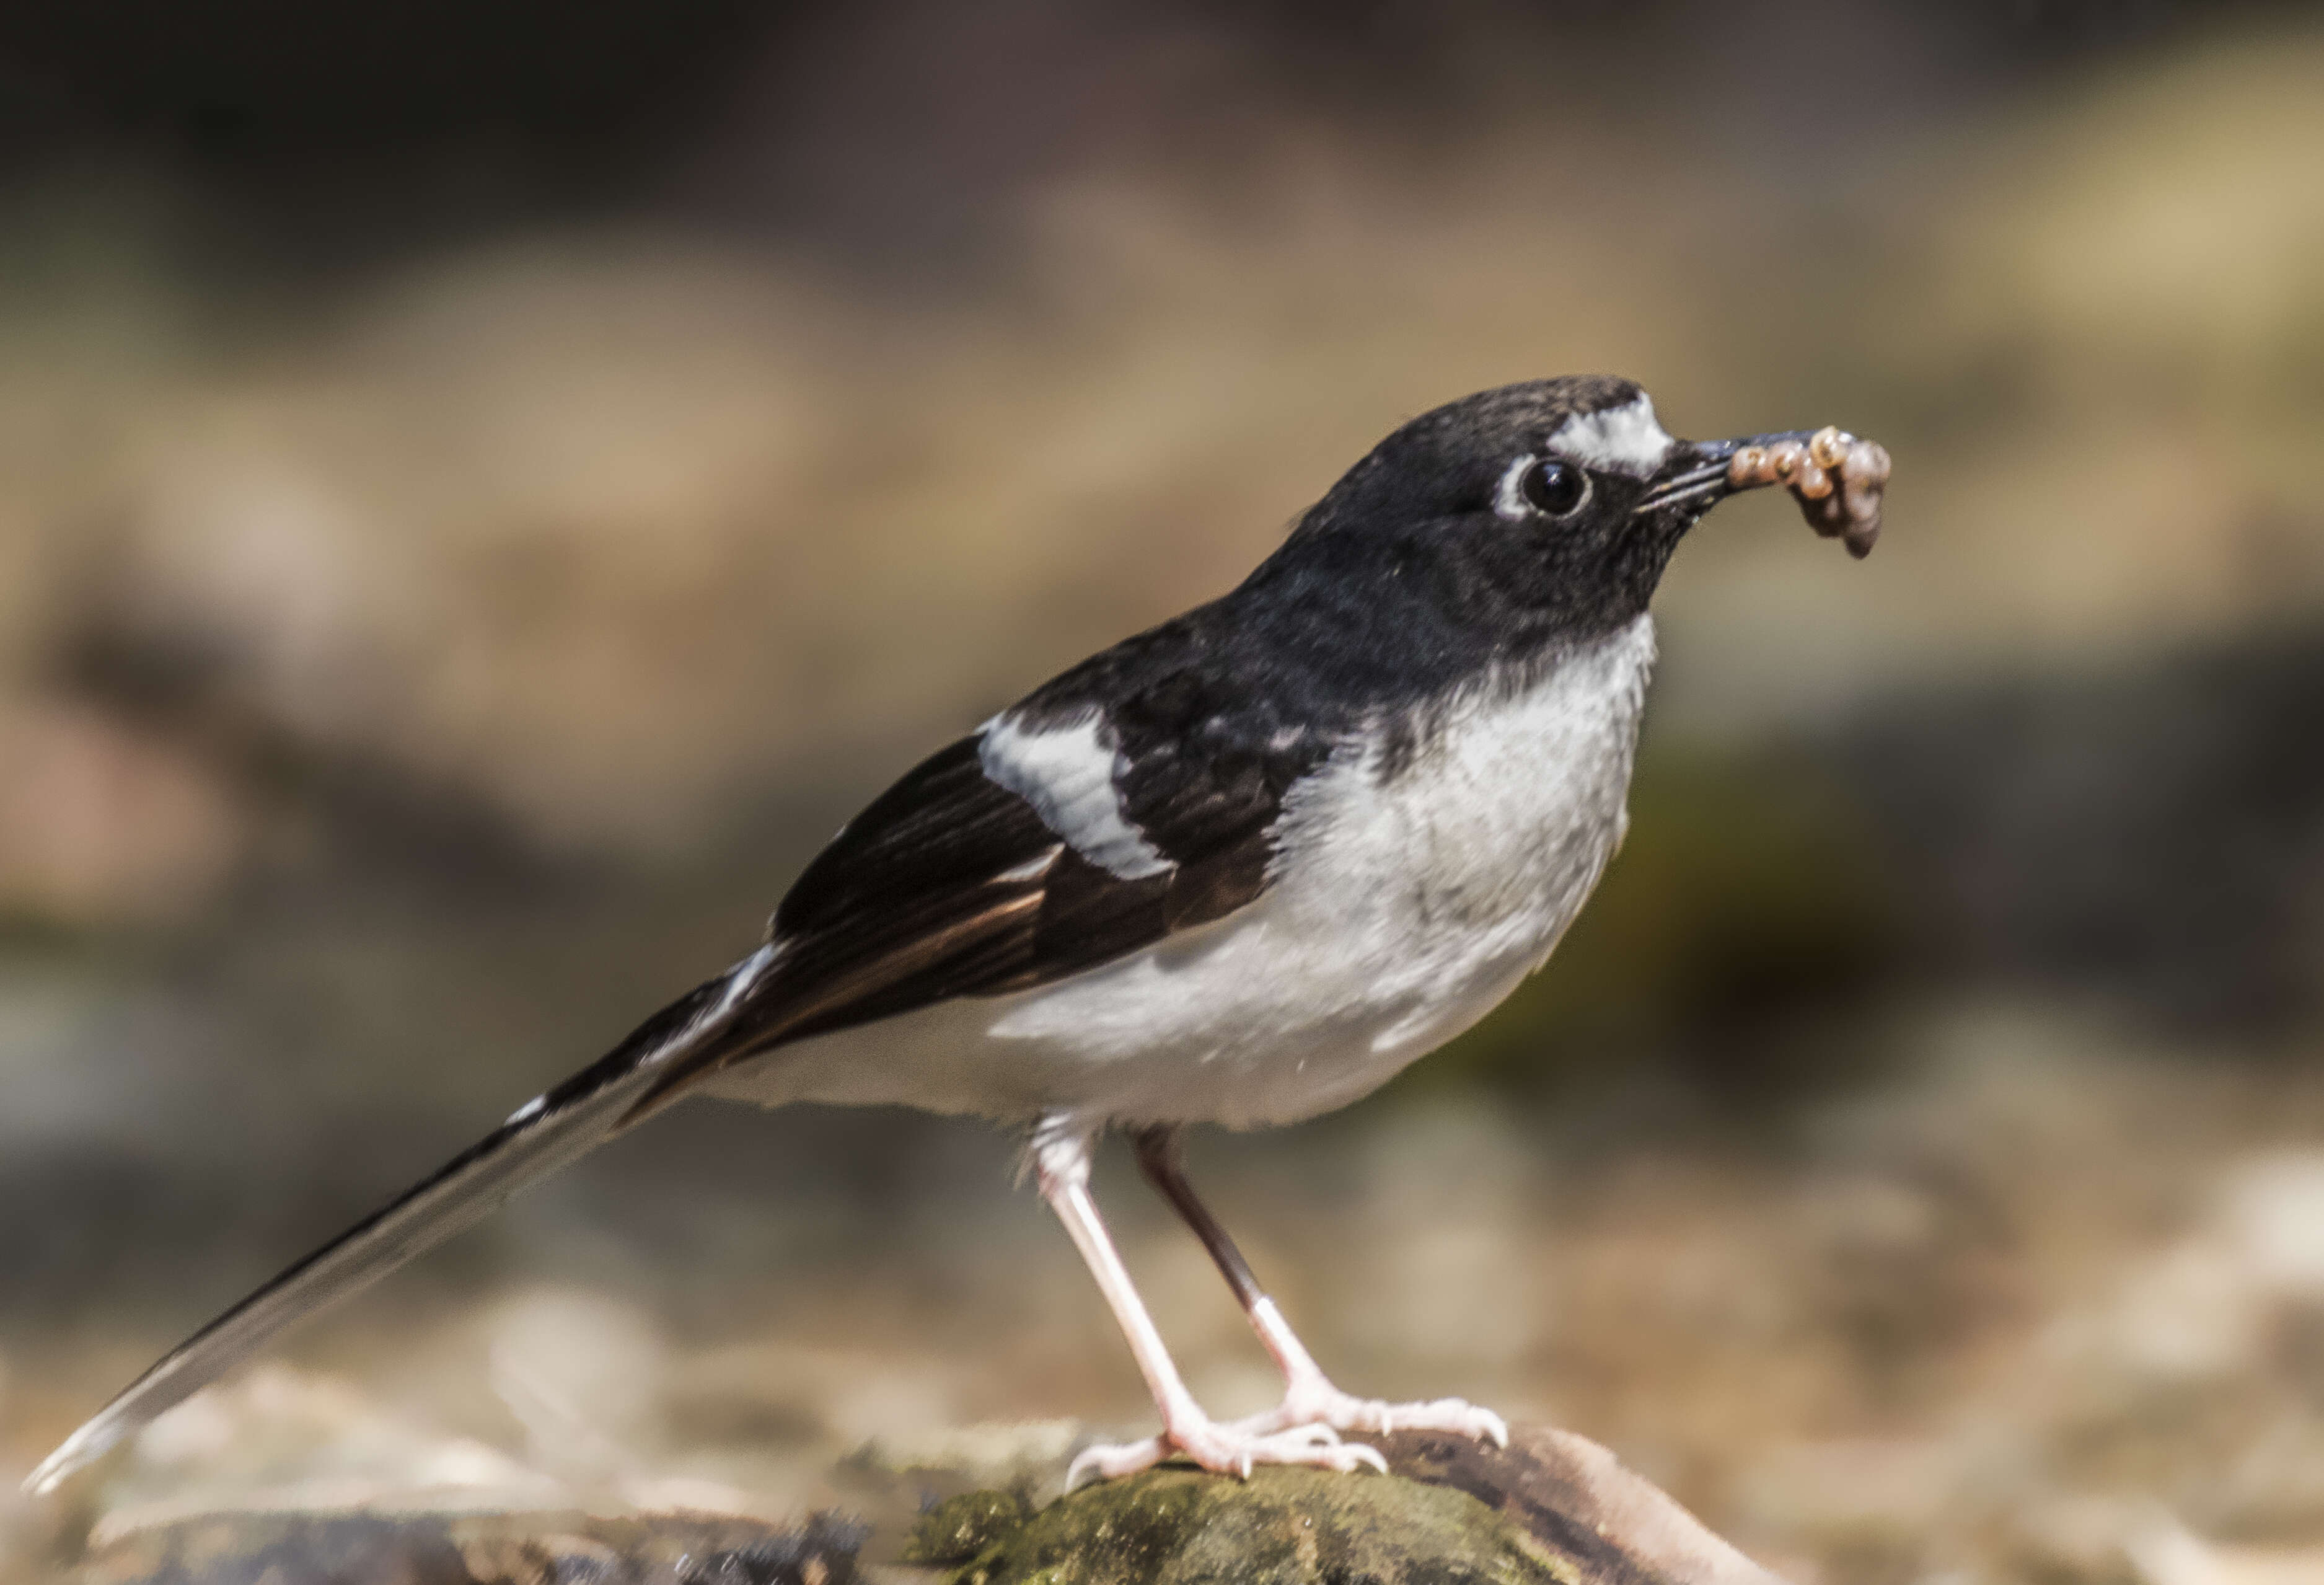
(1062, 1164)
(1309, 1398)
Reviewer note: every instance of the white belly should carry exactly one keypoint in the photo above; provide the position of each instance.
(1444, 887)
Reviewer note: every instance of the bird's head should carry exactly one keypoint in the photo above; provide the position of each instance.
(1554, 505)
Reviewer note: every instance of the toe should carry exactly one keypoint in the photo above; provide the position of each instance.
(1456, 1415)
(1112, 1461)
(1331, 1407)
(1300, 1447)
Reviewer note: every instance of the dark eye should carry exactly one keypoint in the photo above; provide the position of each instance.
(1556, 489)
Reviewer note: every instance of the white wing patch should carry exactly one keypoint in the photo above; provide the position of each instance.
(1617, 440)
(1067, 774)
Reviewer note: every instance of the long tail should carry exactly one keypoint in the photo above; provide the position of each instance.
(544, 1135)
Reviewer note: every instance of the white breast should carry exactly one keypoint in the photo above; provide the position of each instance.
(1404, 907)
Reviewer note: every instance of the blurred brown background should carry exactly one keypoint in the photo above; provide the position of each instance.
(489, 487)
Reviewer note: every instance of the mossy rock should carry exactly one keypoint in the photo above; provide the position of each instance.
(1180, 1526)
(1552, 1507)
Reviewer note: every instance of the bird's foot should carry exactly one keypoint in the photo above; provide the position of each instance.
(1313, 1401)
(1226, 1449)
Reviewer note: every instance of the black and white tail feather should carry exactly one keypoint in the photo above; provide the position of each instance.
(544, 1135)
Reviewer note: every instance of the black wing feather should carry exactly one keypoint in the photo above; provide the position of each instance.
(948, 884)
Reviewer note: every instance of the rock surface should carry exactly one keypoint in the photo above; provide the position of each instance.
(1551, 1507)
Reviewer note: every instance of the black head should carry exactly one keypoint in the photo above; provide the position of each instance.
(1530, 514)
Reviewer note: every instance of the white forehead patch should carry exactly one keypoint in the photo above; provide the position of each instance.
(1067, 774)
(1617, 440)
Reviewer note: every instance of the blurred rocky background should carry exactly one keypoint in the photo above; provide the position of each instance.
(488, 487)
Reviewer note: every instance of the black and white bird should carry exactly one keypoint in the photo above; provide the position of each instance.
(1238, 869)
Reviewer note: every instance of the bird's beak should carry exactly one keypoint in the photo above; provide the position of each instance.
(1837, 479)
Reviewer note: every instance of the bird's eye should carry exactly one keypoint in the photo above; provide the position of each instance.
(1554, 489)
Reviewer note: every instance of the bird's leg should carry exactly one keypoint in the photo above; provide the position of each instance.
(1061, 1162)
(1309, 1398)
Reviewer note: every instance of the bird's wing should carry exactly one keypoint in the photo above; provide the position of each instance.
(544, 1135)
(1031, 851)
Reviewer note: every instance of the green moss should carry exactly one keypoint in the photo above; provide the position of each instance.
(956, 1531)
(1281, 1527)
